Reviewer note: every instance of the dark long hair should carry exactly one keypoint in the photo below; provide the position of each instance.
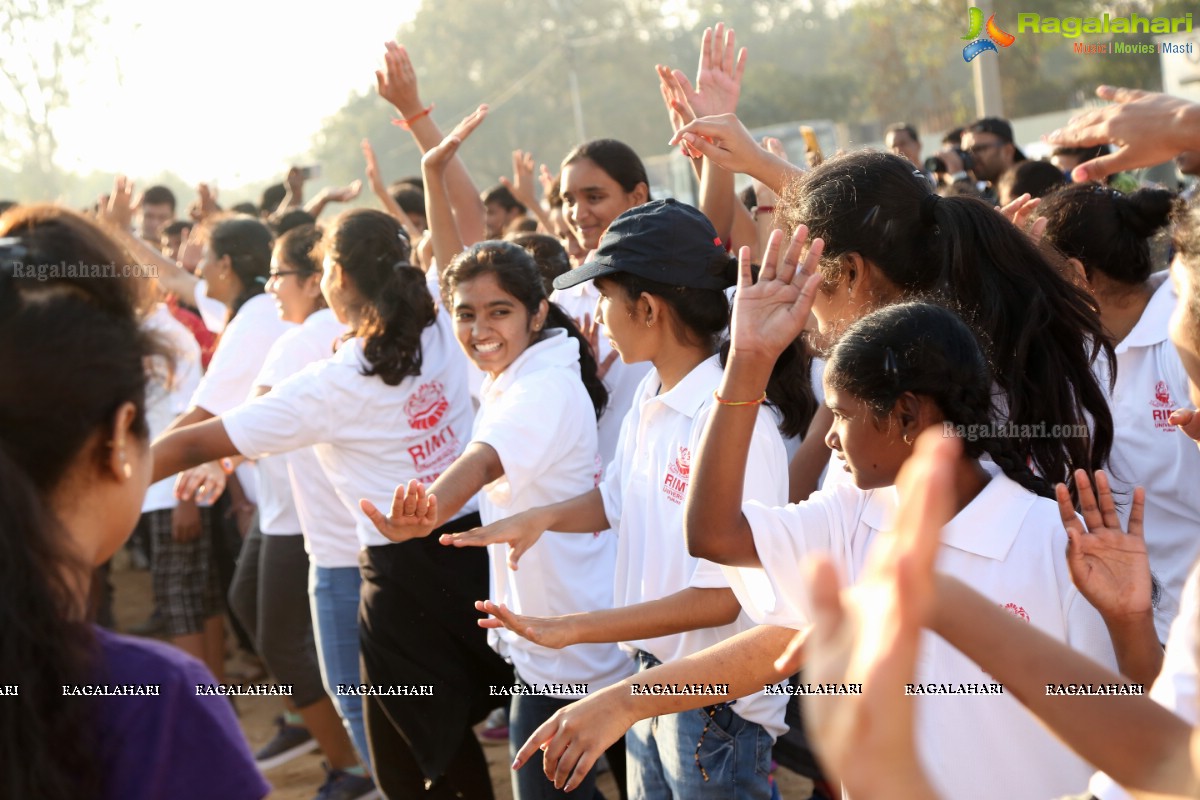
(373, 251)
(518, 275)
(929, 351)
(704, 315)
(72, 352)
(617, 159)
(247, 242)
(1041, 333)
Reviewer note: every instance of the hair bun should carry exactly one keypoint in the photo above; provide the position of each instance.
(1146, 211)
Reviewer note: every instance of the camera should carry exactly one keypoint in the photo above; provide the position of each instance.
(936, 165)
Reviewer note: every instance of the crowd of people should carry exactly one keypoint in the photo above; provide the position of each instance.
(890, 462)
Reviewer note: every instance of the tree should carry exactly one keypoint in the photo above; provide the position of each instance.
(56, 33)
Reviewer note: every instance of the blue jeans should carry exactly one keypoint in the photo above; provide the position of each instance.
(702, 754)
(333, 594)
(525, 715)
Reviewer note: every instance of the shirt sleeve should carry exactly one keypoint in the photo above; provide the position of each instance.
(280, 362)
(229, 378)
(531, 427)
(296, 413)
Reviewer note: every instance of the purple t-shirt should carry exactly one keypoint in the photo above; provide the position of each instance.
(177, 744)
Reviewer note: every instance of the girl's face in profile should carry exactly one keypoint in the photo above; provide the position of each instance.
(871, 450)
(617, 314)
(492, 326)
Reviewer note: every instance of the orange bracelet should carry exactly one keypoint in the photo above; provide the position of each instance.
(407, 122)
(757, 402)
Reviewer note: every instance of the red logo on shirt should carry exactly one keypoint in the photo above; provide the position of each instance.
(426, 407)
(676, 481)
(1161, 407)
(1016, 611)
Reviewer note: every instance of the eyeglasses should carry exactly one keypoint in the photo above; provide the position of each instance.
(979, 148)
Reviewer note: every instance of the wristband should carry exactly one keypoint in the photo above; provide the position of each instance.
(407, 122)
(757, 402)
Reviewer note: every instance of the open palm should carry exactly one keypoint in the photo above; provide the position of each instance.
(768, 314)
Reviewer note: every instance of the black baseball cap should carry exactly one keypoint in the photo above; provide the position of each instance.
(997, 127)
(663, 240)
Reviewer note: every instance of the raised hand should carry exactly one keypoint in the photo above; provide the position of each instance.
(520, 532)
(768, 314)
(1019, 211)
(343, 194)
(374, 179)
(117, 210)
(413, 514)
(590, 329)
(397, 82)
(1148, 128)
(552, 632)
(869, 634)
(190, 250)
(547, 180)
(725, 141)
(719, 75)
(764, 195)
(521, 185)
(678, 110)
(439, 157)
(1109, 567)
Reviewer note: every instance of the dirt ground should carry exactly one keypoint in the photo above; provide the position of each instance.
(301, 778)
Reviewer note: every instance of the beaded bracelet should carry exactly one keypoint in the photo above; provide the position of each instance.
(407, 122)
(757, 402)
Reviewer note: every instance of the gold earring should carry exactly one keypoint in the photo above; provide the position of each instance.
(907, 441)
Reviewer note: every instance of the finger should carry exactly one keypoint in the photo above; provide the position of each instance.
(1066, 508)
(793, 655)
(430, 517)
(930, 497)
(1137, 513)
(1087, 501)
(745, 273)
(609, 360)
(808, 295)
(376, 516)
(1187, 421)
(812, 260)
(1038, 229)
(729, 53)
(414, 501)
(1108, 509)
(582, 767)
(766, 272)
(1119, 94)
(1026, 211)
(1100, 168)
(398, 499)
(705, 51)
(740, 68)
(1010, 209)
(534, 743)
(791, 257)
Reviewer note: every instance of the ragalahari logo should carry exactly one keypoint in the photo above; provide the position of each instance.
(979, 45)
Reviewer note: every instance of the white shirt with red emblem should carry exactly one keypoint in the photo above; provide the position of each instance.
(369, 437)
(539, 419)
(1178, 683)
(1149, 451)
(1009, 545)
(643, 490)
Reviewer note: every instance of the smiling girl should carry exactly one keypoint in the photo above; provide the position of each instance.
(533, 443)
(390, 406)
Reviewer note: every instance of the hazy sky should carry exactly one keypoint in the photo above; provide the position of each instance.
(231, 90)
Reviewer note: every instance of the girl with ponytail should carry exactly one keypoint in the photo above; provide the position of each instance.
(662, 279)
(533, 443)
(1106, 236)
(74, 469)
(391, 405)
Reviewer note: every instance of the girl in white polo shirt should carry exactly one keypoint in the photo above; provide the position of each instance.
(661, 279)
(1107, 236)
(390, 406)
(892, 374)
(533, 443)
(235, 263)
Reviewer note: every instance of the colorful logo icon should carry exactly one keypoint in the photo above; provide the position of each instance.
(994, 37)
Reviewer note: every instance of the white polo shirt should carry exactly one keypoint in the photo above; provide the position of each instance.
(212, 312)
(643, 492)
(168, 390)
(1149, 451)
(328, 528)
(538, 418)
(369, 437)
(1009, 545)
(621, 380)
(240, 354)
(1177, 685)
